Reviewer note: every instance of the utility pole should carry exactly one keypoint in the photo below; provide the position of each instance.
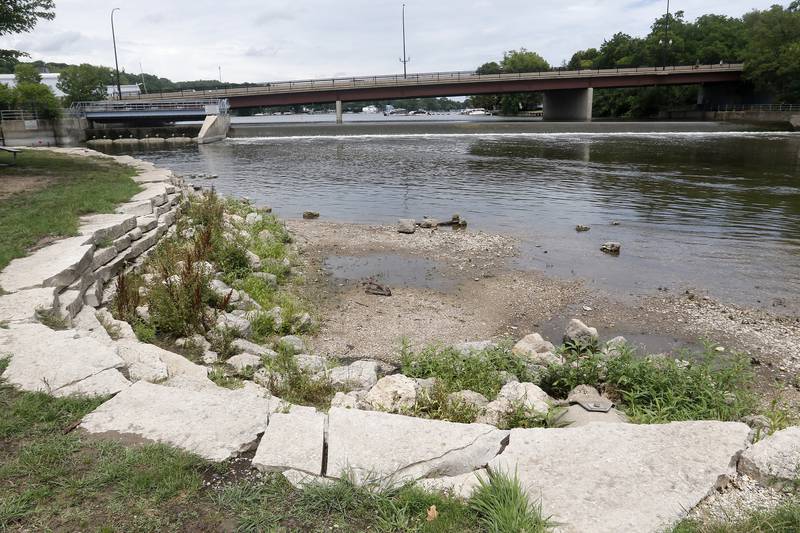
(666, 37)
(116, 62)
(405, 58)
(141, 71)
(220, 72)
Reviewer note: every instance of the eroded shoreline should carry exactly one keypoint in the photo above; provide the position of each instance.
(490, 298)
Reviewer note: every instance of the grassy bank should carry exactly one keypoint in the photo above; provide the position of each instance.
(52, 478)
(56, 190)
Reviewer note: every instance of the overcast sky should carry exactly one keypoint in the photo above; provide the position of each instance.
(272, 40)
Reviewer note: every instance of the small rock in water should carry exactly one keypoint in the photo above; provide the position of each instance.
(611, 247)
(428, 223)
(310, 215)
(582, 227)
(615, 222)
(406, 225)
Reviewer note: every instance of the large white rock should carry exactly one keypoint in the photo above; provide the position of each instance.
(21, 306)
(310, 363)
(57, 362)
(577, 331)
(774, 460)
(537, 350)
(393, 393)
(143, 360)
(88, 325)
(356, 375)
(528, 395)
(292, 441)
(371, 445)
(56, 265)
(622, 477)
(215, 423)
(106, 226)
(253, 348)
(243, 361)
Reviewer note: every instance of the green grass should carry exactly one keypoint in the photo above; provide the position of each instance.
(53, 480)
(479, 371)
(296, 386)
(502, 506)
(660, 389)
(78, 186)
(783, 519)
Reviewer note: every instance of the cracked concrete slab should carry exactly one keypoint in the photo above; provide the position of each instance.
(56, 362)
(292, 441)
(56, 265)
(375, 446)
(215, 423)
(608, 478)
(21, 306)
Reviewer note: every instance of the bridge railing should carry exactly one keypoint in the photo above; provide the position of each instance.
(130, 106)
(17, 114)
(432, 78)
(754, 107)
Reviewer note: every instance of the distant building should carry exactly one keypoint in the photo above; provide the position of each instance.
(51, 80)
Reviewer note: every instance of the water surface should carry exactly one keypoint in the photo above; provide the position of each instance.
(712, 210)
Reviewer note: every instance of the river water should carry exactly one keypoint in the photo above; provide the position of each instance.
(716, 211)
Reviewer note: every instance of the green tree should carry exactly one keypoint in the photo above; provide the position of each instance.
(84, 83)
(19, 16)
(39, 98)
(26, 73)
(521, 60)
(6, 97)
(772, 55)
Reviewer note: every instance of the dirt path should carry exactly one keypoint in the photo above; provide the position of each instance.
(453, 286)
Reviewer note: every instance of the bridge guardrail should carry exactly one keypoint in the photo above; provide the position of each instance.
(123, 106)
(754, 107)
(357, 82)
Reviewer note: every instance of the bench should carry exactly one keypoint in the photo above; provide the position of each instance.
(14, 151)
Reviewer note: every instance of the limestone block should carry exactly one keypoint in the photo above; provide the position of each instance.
(155, 175)
(70, 302)
(292, 441)
(56, 265)
(147, 241)
(106, 226)
(124, 242)
(356, 375)
(154, 192)
(577, 331)
(244, 361)
(102, 256)
(104, 383)
(147, 223)
(393, 393)
(238, 323)
(142, 360)
(253, 348)
(21, 306)
(530, 396)
(111, 269)
(310, 363)
(94, 294)
(44, 360)
(371, 445)
(87, 325)
(350, 400)
(137, 208)
(537, 350)
(215, 423)
(622, 477)
(774, 460)
(292, 343)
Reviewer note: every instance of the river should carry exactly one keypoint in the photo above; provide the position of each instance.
(715, 211)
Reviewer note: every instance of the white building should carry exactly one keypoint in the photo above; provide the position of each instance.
(51, 80)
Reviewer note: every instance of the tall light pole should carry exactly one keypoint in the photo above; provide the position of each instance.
(666, 37)
(405, 59)
(116, 62)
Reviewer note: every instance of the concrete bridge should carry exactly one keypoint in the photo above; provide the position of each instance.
(567, 93)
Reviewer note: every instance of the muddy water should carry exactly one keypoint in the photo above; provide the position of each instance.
(718, 211)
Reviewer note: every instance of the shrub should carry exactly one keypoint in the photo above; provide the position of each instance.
(479, 371)
(656, 389)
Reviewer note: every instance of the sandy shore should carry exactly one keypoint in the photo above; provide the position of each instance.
(454, 286)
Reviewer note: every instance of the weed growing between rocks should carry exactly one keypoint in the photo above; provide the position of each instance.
(286, 380)
(482, 371)
(501, 505)
(783, 519)
(224, 273)
(52, 319)
(657, 389)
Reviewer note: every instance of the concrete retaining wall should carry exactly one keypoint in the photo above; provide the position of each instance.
(215, 128)
(28, 132)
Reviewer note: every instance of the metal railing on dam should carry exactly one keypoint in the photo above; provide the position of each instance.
(432, 79)
(134, 107)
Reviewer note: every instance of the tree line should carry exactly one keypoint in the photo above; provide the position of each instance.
(766, 41)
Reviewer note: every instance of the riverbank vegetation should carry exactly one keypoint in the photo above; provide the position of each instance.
(54, 478)
(45, 193)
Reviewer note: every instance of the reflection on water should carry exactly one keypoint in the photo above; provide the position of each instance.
(391, 269)
(713, 210)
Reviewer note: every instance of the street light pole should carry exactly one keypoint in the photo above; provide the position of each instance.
(116, 62)
(666, 37)
(405, 58)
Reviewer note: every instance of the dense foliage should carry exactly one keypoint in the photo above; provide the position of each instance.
(21, 16)
(84, 83)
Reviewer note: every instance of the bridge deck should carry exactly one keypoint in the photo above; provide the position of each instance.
(464, 81)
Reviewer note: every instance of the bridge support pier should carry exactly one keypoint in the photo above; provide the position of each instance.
(339, 111)
(568, 105)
